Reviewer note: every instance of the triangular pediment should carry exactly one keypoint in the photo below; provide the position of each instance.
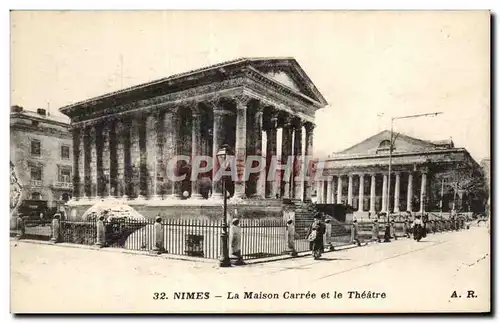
(379, 143)
(288, 72)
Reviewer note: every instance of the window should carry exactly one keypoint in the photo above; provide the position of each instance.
(65, 175)
(384, 144)
(64, 152)
(35, 148)
(36, 173)
(36, 196)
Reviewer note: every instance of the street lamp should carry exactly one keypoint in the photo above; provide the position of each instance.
(224, 261)
(391, 147)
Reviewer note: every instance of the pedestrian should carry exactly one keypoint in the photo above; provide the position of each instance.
(315, 236)
(369, 215)
(417, 227)
(290, 237)
(375, 229)
(235, 238)
(393, 229)
(355, 232)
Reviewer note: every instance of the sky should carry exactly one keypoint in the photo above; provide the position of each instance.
(370, 66)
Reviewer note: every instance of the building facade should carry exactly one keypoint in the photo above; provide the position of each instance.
(425, 176)
(124, 140)
(40, 153)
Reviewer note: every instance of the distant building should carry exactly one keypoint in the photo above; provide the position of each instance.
(41, 152)
(426, 176)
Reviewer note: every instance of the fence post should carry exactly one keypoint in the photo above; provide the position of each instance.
(290, 237)
(235, 245)
(55, 229)
(158, 236)
(20, 228)
(101, 234)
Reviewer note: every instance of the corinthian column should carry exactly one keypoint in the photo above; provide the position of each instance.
(349, 190)
(76, 163)
(273, 183)
(308, 153)
(297, 175)
(121, 132)
(261, 180)
(151, 157)
(241, 145)
(106, 166)
(135, 158)
(195, 148)
(93, 163)
(423, 191)
(372, 193)
(172, 125)
(409, 193)
(361, 192)
(329, 192)
(218, 141)
(286, 150)
(384, 194)
(339, 189)
(87, 159)
(396, 193)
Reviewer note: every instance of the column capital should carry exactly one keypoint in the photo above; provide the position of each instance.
(309, 126)
(241, 100)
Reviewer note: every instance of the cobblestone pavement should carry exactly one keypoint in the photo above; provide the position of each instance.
(401, 276)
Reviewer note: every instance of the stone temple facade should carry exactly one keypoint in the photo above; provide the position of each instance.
(123, 140)
(426, 176)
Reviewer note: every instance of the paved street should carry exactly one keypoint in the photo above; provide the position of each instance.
(414, 277)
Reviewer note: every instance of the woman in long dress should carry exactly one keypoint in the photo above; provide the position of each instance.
(315, 236)
(417, 227)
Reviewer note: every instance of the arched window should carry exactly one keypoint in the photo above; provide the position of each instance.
(36, 196)
(384, 144)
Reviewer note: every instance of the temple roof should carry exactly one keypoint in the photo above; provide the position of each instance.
(284, 70)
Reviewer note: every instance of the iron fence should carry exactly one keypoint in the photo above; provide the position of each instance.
(260, 238)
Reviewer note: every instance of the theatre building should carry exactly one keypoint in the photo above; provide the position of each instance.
(40, 155)
(426, 176)
(123, 140)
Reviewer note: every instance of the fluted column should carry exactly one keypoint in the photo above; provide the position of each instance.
(151, 157)
(361, 192)
(273, 183)
(121, 133)
(423, 191)
(106, 188)
(87, 160)
(409, 194)
(135, 158)
(241, 145)
(372, 193)
(113, 158)
(297, 175)
(218, 141)
(334, 180)
(329, 193)
(384, 194)
(309, 151)
(195, 148)
(93, 163)
(172, 147)
(349, 190)
(261, 180)
(339, 189)
(286, 151)
(396, 192)
(143, 160)
(76, 163)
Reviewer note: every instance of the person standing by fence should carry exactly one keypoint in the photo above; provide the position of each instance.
(315, 236)
(235, 238)
(290, 237)
(355, 232)
(375, 229)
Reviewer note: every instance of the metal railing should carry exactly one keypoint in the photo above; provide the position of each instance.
(260, 238)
